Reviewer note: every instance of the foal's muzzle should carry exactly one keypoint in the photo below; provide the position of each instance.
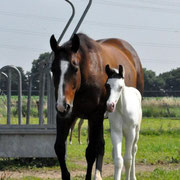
(111, 107)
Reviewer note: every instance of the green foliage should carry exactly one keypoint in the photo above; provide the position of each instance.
(168, 81)
(37, 66)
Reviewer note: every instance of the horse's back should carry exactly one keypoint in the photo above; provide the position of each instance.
(130, 55)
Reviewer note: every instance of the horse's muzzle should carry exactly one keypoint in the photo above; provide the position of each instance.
(63, 110)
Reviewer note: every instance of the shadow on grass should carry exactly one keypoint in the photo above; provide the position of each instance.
(15, 163)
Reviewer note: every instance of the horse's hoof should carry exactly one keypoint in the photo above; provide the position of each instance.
(97, 175)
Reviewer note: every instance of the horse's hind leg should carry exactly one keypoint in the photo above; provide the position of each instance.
(134, 150)
(71, 131)
(79, 130)
(63, 126)
(130, 135)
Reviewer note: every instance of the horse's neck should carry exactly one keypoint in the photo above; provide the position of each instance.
(122, 99)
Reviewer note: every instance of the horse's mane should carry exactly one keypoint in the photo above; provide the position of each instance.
(87, 45)
(85, 41)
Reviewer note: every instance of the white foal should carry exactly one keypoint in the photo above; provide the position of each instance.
(124, 105)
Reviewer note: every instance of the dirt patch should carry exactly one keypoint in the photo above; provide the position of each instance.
(108, 170)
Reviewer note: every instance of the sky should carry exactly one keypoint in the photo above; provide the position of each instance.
(152, 27)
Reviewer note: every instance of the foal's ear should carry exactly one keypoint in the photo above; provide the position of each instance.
(109, 71)
(121, 71)
(75, 43)
(53, 43)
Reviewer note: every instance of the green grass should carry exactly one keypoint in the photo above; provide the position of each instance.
(161, 107)
(157, 174)
(159, 144)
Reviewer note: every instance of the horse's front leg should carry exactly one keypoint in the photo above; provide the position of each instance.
(130, 136)
(63, 126)
(95, 149)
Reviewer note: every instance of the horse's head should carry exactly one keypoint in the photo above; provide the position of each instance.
(114, 85)
(66, 73)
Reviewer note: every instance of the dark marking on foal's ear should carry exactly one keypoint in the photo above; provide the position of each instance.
(53, 43)
(121, 73)
(75, 43)
(109, 71)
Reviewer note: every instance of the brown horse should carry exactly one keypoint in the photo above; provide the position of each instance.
(79, 78)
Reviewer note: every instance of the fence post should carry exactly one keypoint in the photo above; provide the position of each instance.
(29, 100)
(41, 97)
(9, 98)
(19, 97)
(49, 98)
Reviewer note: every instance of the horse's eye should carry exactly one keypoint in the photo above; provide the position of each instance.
(74, 68)
(74, 85)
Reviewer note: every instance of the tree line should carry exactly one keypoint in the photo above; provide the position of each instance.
(164, 84)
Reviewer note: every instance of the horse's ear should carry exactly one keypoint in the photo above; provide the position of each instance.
(121, 71)
(53, 43)
(108, 70)
(75, 43)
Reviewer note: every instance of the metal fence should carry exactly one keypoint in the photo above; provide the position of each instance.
(26, 139)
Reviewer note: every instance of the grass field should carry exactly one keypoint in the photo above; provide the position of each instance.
(158, 146)
(152, 107)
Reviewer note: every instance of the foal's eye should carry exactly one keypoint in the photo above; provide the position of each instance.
(107, 86)
(119, 88)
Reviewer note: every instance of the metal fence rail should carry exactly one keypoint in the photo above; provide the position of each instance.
(28, 140)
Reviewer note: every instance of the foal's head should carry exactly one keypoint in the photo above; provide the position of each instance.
(66, 73)
(114, 85)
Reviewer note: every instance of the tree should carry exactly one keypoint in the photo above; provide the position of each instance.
(37, 66)
(171, 79)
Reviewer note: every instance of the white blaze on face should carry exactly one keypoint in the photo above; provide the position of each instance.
(116, 85)
(60, 101)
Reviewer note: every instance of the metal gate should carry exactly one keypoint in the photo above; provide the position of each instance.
(24, 139)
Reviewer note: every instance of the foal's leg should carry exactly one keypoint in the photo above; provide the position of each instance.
(79, 130)
(134, 150)
(116, 138)
(130, 135)
(95, 149)
(63, 126)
